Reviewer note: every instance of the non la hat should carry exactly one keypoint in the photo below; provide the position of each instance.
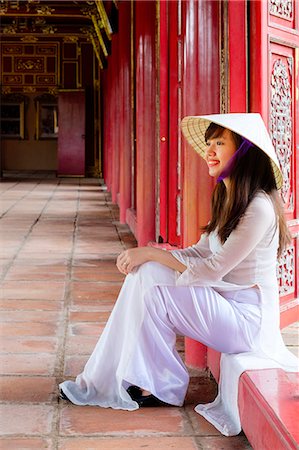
(249, 125)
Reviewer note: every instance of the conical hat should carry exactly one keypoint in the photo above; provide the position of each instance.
(249, 125)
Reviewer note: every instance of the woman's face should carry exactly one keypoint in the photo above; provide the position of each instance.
(219, 151)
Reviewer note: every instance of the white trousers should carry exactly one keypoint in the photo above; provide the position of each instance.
(138, 343)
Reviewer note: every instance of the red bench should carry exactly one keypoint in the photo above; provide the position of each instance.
(269, 409)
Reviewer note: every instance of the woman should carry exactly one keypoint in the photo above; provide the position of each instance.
(222, 291)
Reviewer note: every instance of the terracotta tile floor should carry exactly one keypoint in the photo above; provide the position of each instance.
(59, 241)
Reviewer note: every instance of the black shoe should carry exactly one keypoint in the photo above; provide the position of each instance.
(63, 396)
(144, 400)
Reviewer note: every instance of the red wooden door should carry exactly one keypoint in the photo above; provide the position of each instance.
(274, 76)
(71, 133)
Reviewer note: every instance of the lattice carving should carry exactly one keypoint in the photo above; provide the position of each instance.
(281, 123)
(286, 272)
(26, 66)
(281, 8)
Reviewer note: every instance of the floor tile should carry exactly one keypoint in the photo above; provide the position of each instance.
(74, 365)
(26, 272)
(88, 420)
(29, 305)
(39, 290)
(93, 291)
(31, 316)
(80, 345)
(28, 344)
(87, 316)
(23, 389)
(28, 329)
(86, 329)
(125, 443)
(26, 444)
(27, 419)
(225, 443)
(29, 364)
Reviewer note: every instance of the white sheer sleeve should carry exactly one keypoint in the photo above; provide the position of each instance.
(258, 224)
(199, 250)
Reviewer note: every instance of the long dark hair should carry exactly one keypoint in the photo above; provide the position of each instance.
(252, 173)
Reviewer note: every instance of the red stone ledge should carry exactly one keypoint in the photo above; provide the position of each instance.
(269, 409)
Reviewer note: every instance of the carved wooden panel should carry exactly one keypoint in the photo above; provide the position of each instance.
(29, 67)
(282, 13)
(286, 272)
(282, 127)
(281, 124)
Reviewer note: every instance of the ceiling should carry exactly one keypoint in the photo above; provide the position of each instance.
(38, 20)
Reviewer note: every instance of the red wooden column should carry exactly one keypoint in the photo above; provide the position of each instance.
(115, 112)
(145, 34)
(106, 127)
(164, 117)
(125, 110)
(237, 48)
(237, 87)
(200, 95)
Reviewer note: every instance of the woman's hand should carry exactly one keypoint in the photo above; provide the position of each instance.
(134, 257)
(131, 258)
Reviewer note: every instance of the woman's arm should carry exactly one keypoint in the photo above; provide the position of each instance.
(133, 257)
(258, 224)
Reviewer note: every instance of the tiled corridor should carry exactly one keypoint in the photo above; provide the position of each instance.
(59, 242)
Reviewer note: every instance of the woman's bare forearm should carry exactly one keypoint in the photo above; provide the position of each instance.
(134, 257)
(164, 257)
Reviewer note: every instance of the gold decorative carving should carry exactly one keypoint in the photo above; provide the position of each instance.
(14, 4)
(49, 29)
(45, 79)
(53, 90)
(12, 79)
(6, 90)
(10, 29)
(29, 2)
(104, 18)
(44, 10)
(72, 39)
(88, 10)
(29, 89)
(3, 9)
(30, 64)
(88, 31)
(92, 12)
(29, 38)
(46, 50)
(12, 49)
(99, 34)
(224, 60)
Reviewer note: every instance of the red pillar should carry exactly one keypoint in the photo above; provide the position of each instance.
(115, 112)
(237, 89)
(237, 47)
(145, 34)
(164, 121)
(125, 129)
(201, 95)
(106, 127)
